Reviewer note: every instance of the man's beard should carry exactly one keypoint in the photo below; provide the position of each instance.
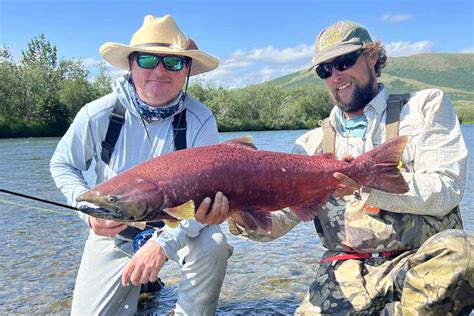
(360, 98)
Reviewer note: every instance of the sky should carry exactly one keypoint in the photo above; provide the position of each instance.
(255, 41)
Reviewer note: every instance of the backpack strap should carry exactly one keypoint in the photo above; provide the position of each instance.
(329, 136)
(395, 102)
(116, 120)
(179, 130)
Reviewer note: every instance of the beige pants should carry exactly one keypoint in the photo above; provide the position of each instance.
(98, 289)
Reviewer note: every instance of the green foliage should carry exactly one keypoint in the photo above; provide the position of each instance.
(103, 83)
(264, 107)
(40, 95)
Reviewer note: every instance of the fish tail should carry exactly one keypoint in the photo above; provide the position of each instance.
(381, 167)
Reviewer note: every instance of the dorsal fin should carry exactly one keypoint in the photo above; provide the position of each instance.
(246, 141)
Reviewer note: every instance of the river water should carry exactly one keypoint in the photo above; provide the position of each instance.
(41, 250)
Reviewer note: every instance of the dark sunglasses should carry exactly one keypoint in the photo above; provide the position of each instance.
(171, 63)
(341, 63)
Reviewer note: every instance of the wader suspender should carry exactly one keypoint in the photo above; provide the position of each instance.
(117, 118)
(395, 103)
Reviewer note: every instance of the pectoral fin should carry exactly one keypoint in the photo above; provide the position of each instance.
(254, 219)
(183, 211)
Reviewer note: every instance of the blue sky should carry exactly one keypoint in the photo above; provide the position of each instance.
(254, 40)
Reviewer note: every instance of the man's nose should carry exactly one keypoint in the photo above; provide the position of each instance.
(336, 75)
(160, 67)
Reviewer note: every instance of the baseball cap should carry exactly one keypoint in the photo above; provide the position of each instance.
(341, 38)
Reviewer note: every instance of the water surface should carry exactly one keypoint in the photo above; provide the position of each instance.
(41, 251)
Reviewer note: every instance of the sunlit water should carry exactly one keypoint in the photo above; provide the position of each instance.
(40, 252)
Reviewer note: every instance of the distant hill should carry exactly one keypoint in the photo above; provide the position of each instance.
(453, 73)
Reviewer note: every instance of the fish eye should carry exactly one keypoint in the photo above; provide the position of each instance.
(111, 199)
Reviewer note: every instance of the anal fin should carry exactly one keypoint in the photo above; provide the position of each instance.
(254, 219)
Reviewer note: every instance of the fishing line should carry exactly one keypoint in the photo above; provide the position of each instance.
(56, 212)
(48, 202)
(37, 208)
(175, 133)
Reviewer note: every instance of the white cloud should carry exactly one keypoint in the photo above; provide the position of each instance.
(405, 48)
(467, 50)
(242, 68)
(395, 18)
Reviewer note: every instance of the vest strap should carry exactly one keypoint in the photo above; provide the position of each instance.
(395, 103)
(116, 120)
(329, 137)
(179, 130)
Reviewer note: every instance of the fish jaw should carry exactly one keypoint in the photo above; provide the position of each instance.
(140, 200)
(102, 212)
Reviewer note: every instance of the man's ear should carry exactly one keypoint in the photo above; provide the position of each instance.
(372, 59)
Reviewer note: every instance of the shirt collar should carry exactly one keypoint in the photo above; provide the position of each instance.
(379, 102)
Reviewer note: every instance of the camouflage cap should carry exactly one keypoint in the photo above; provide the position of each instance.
(341, 38)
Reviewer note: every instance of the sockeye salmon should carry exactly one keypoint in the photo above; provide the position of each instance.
(256, 182)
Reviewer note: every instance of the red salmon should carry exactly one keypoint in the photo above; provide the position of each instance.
(256, 182)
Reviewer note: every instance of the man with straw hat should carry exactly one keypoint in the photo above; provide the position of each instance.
(147, 115)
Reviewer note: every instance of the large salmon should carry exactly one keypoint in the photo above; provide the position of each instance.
(255, 182)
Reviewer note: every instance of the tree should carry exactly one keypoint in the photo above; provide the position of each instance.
(75, 90)
(9, 85)
(102, 84)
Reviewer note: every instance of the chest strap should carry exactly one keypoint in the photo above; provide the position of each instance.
(116, 121)
(179, 130)
(395, 104)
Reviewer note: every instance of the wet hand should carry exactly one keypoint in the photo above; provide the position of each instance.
(104, 227)
(144, 265)
(215, 214)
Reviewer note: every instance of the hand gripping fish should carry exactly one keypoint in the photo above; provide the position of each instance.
(256, 182)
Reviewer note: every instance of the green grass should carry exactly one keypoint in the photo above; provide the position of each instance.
(465, 111)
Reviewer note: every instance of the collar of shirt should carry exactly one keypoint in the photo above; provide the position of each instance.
(379, 102)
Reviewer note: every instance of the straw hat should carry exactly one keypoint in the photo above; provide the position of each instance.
(159, 36)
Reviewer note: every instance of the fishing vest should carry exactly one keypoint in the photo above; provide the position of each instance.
(116, 121)
(346, 226)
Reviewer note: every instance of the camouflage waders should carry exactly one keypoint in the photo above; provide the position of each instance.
(437, 279)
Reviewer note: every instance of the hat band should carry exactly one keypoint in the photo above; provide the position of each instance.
(190, 46)
(153, 45)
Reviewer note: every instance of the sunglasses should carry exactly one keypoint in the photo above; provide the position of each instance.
(341, 63)
(171, 63)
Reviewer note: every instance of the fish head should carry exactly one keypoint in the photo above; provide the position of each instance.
(139, 200)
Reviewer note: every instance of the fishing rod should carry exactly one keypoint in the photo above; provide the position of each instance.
(39, 199)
